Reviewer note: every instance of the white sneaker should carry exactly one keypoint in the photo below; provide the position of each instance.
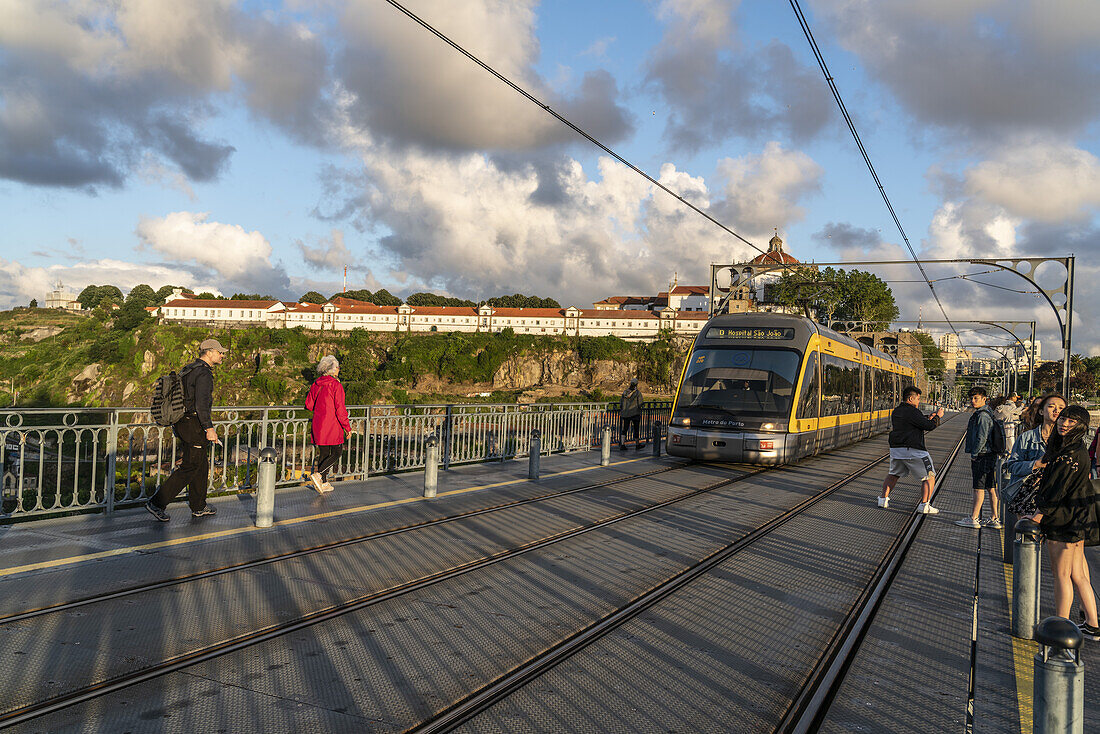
(968, 522)
(326, 487)
(884, 502)
(926, 508)
(318, 485)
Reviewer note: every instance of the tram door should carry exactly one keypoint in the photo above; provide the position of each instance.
(809, 406)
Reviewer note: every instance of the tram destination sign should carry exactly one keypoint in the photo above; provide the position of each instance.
(741, 332)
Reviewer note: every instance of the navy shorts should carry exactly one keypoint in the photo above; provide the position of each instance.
(983, 467)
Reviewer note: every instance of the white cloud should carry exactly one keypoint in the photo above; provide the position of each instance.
(474, 228)
(330, 253)
(456, 104)
(20, 283)
(1047, 182)
(188, 237)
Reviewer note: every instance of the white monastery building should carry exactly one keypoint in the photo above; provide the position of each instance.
(345, 314)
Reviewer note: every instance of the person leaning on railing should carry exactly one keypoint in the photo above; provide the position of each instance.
(1067, 516)
(330, 425)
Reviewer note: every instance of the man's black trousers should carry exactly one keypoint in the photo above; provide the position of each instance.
(194, 472)
(627, 424)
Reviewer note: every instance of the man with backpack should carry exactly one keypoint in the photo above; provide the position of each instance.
(195, 431)
(985, 440)
(630, 414)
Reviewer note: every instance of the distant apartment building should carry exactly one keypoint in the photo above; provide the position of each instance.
(345, 314)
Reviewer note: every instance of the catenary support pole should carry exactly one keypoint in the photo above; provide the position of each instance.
(1058, 695)
(265, 488)
(1025, 579)
(656, 438)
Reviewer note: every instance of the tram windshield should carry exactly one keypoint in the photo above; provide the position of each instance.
(725, 384)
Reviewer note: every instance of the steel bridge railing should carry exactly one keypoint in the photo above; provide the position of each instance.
(64, 460)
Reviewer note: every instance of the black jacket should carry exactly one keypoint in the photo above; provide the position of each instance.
(909, 425)
(198, 391)
(1066, 499)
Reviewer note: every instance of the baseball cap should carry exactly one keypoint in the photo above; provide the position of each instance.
(212, 344)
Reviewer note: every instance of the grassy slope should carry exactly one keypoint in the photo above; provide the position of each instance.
(375, 367)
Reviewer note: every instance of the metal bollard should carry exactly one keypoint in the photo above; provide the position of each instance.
(1025, 579)
(605, 447)
(265, 488)
(1009, 519)
(431, 466)
(533, 455)
(656, 438)
(1058, 693)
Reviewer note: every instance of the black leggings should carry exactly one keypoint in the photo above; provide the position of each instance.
(327, 456)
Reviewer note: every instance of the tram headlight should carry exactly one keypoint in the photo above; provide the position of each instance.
(682, 421)
(768, 426)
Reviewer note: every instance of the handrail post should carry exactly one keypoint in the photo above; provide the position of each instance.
(447, 424)
(112, 451)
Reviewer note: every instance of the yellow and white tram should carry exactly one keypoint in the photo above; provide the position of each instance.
(766, 388)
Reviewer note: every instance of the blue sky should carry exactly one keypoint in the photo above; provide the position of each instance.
(262, 146)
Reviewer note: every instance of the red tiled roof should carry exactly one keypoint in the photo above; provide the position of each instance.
(689, 290)
(219, 303)
(467, 311)
(529, 312)
(775, 258)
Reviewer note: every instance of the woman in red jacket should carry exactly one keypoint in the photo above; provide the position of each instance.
(330, 420)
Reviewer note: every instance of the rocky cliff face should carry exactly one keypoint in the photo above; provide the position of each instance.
(563, 369)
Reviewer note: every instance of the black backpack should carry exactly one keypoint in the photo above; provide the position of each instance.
(168, 406)
(998, 441)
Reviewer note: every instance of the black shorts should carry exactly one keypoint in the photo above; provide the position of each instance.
(983, 467)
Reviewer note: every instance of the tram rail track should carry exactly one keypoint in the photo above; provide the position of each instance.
(320, 548)
(33, 711)
(29, 712)
(806, 710)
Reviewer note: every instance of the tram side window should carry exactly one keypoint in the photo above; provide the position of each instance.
(840, 387)
(807, 399)
(867, 375)
(884, 389)
(897, 388)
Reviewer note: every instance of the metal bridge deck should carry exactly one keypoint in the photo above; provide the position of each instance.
(727, 652)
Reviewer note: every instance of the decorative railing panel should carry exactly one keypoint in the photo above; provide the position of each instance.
(59, 461)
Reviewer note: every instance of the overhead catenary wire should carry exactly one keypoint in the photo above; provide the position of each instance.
(863, 151)
(568, 123)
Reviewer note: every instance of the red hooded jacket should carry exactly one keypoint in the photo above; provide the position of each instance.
(330, 415)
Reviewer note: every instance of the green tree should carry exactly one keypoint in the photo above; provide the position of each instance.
(385, 298)
(143, 294)
(433, 299)
(837, 295)
(518, 300)
(312, 297)
(34, 303)
(130, 316)
(933, 358)
(356, 295)
(95, 295)
(251, 297)
(208, 296)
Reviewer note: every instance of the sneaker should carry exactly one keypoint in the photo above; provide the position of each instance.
(968, 522)
(992, 522)
(1089, 633)
(326, 487)
(926, 508)
(157, 512)
(884, 503)
(208, 510)
(318, 483)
